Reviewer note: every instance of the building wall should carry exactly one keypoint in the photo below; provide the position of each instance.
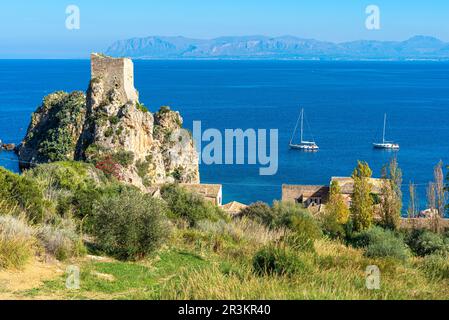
(423, 223)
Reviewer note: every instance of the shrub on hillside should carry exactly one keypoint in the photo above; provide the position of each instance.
(72, 187)
(61, 239)
(285, 213)
(130, 225)
(16, 242)
(23, 192)
(436, 266)
(304, 232)
(189, 206)
(67, 176)
(380, 243)
(82, 201)
(273, 260)
(332, 227)
(423, 242)
(259, 212)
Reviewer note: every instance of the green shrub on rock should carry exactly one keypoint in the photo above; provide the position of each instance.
(130, 225)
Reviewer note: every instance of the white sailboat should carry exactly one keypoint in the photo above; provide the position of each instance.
(386, 144)
(303, 145)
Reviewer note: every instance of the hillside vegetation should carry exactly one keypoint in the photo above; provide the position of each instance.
(131, 246)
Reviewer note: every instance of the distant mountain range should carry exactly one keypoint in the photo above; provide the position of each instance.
(286, 47)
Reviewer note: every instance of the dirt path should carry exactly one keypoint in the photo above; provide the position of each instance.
(32, 276)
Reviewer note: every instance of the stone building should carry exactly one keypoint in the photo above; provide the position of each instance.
(210, 192)
(318, 195)
(115, 73)
(307, 195)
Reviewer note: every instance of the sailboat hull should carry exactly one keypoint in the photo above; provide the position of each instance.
(388, 146)
(304, 147)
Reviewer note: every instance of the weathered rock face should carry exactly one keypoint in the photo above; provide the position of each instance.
(115, 131)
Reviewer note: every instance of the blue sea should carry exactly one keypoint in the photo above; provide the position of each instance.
(344, 103)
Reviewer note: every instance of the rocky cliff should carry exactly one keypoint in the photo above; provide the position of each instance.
(110, 128)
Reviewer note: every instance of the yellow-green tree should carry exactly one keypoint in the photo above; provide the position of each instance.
(362, 206)
(336, 206)
(391, 198)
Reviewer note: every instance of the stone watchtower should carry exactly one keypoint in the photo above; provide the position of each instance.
(115, 73)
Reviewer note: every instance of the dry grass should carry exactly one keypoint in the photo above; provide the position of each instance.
(61, 240)
(337, 272)
(242, 230)
(16, 242)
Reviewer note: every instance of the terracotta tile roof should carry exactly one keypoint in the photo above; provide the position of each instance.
(234, 207)
(347, 184)
(292, 192)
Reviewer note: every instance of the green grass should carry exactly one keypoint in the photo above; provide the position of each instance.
(131, 280)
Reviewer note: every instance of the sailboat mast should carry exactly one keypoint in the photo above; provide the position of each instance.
(302, 124)
(385, 125)
(294, 131)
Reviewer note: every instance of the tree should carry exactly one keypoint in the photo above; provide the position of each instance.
(391, 198)
(431, 197)
(336, 206)
(440, 191)
(447, 187)
(413, 206)
(362, 209)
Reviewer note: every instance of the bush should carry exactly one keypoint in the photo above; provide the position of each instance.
(305, 230)
(83, 200)
(130, 225)
(65, 184)
(189, 206)
(423, 242)
(380, 243)
(24, 192)
(436, 266)
(61, 240)
(141, 107)
(16, 242)
(285, 213)
(259, 212)
(332, 227)
(69, 175)
(124, 158)
(277, 261)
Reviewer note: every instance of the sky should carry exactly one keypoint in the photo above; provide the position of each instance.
(37, 29)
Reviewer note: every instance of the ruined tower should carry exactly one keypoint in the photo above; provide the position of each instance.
(116, 75)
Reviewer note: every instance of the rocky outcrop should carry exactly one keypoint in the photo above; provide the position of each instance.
(112, 129)
(54, 129)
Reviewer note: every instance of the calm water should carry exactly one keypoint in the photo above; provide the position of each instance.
(344, 103)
